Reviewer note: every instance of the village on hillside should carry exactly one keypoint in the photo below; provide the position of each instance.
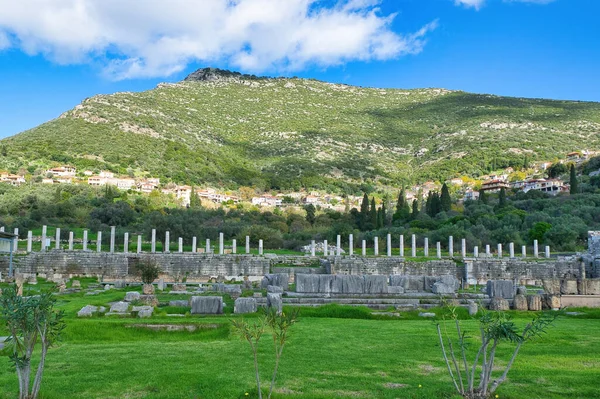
(464, 188)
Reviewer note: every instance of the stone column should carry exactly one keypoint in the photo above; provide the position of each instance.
(194, 245)
(547, 251)
(536, 253)
(511, 250)
(207, 250)
(414, 246)
(112, 239)
(167, 247)
(488, 250)
(57, 242)
(312, 248)
(338, 246)
(426, 247)
(376, 246)
(153, 242)
(126, 243)
(70, 240)
(524, 251)
(221, 244)
(85, 239)
(438, 247)
(99, 242)
(29, 241)
(389, 245)
(16, 241)
(2, 229)
(325, 248)
(350, 244)
(499, 250)
(463, 248)
(402, 245)
(180, 245)
(260, 247)
(234, 246)
(139, 244)
(247, 244)
(44, 231)
(364, 248)
(476, 252)
(451, 246)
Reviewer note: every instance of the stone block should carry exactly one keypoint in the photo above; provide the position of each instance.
(441, 288)
(551, 302)
(75, 284)
(375, 284)
(395, 290)
(409, 283)
(350, 284)
(257, 295)
(428, 282)
(119, 307)
(278, 279)
(473, 308)
(426, 314)
(148, 289)
(149, 300)
(499, 304)
(534, 302)
(592, 286)
(551, 286)
(500, 289)
(206, 305)
(521, 290)
(235, 290)
(520, 302)
(568, 287)
(179, 287)
(179, 302)
(449, 280)
(120, 284)
(87, 311)
(274, 302)
(245, 305)
(107, 287)
(275, 289)
(132, 296)
(143, 311)
(161, 284)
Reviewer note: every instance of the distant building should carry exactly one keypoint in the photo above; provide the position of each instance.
(13, 180)
(494, 186)
(310, 199)
(106, 174)
(471, 195)
(551, 186)
(63, 171)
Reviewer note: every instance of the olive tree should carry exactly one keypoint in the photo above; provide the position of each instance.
(30, 321)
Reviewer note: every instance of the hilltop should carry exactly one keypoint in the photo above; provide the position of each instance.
(223, 128)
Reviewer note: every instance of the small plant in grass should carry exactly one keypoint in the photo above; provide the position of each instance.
(278, 325)
(148, 271)
(474, 380)
(30, 321)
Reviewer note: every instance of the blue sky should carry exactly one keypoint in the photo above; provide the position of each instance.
(51, 57)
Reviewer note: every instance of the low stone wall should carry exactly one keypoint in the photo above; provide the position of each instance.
(481, 270)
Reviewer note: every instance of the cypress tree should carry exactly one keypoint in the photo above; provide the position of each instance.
(502, 198)
(380, 218)
(373, 214)
(483, 197)
(415, 209)
(429, 204)
(573, 181)
(402, 207)
(364, 212)
(436, 204)
(195, 202)
(445, 200)
(386, 221)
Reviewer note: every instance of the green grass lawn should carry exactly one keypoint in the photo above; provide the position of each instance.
(326, 358)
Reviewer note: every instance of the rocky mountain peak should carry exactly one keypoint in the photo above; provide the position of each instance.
(217, 74)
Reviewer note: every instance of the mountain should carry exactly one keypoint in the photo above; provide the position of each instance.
(224, 128)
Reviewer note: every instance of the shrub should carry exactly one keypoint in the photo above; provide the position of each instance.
(147, 270)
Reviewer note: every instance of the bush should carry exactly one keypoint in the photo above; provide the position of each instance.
(147, 270)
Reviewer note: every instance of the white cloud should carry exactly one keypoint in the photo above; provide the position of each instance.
(530, 1)
(160, 37)
(4, 41)
(476, 4)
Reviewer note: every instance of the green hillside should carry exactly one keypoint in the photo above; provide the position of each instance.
(226, 129)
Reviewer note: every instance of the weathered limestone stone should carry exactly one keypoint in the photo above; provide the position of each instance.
(87, 311)
(149, 300)
(107, 287)
(119, 307)
(120, 284)
(274, 301)
(75, 284)
(161, 284)
(132, 296)
(143, 311)
(534, 302)
(244, 305)
(148, 289)
(520, 302)
(441, 288)
(179, 302)
(500, 289)
(206, 305)
(551, 286)
(278, 279)
(374, 284)
(551, 302)
(426, 314)
(592, 287)
(274, 289)
(257, 295)
(521, 290)
(395, 290)
(568, 287)
(500, 304)
(473, 308)
(179, 287)
(449, 280)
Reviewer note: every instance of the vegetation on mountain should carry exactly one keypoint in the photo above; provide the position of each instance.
(225, 129)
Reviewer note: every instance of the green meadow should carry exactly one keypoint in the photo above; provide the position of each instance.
(333, 352)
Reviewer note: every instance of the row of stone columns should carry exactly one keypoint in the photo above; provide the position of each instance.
(260, 245)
